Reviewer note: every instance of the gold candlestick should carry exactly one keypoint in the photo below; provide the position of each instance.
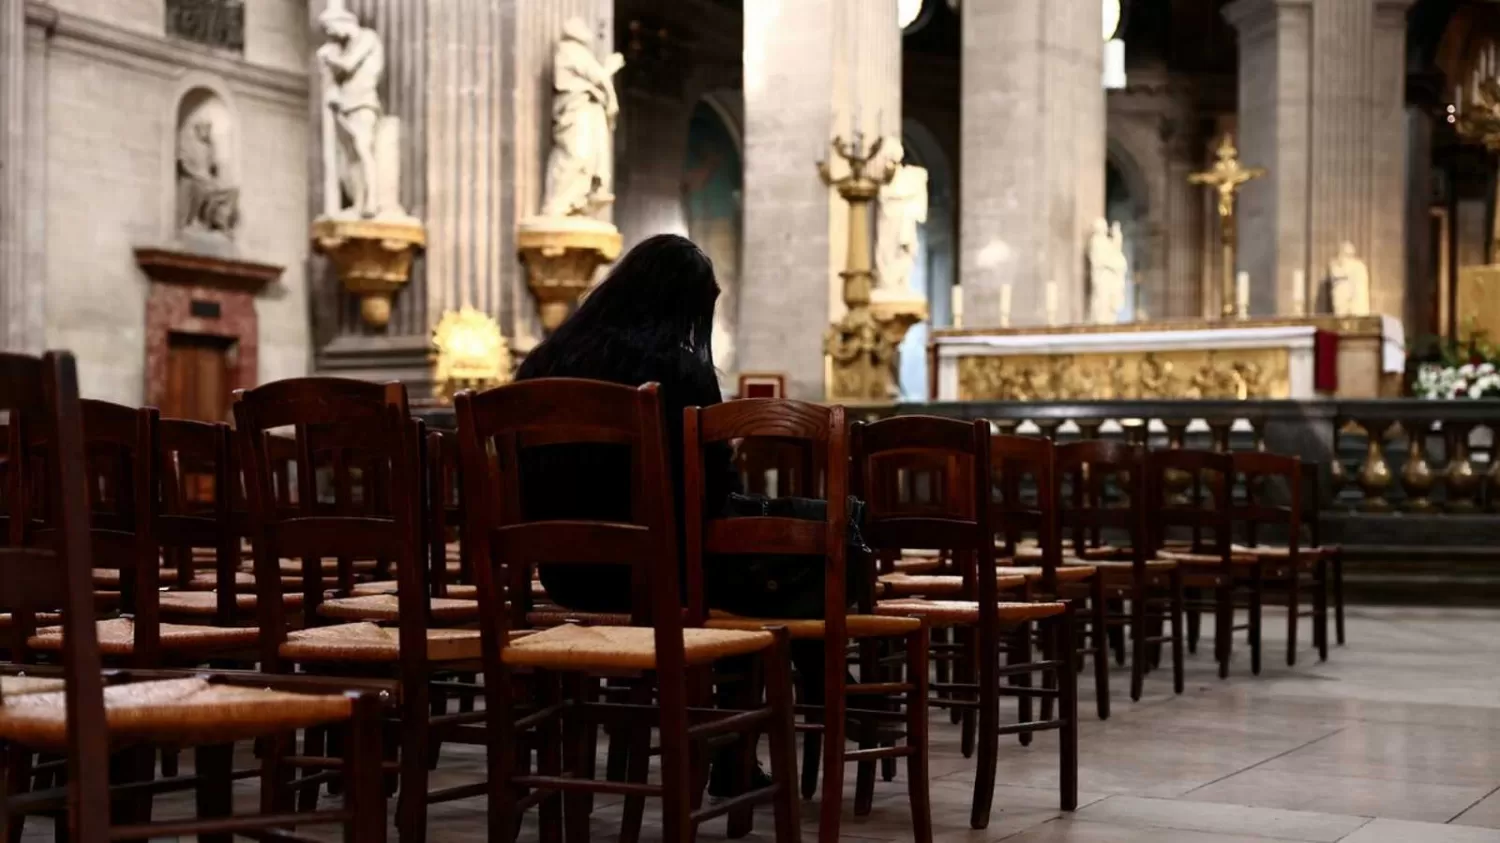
(862, 345)
(1226, 178)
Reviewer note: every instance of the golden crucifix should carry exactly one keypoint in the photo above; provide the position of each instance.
(1227, 177)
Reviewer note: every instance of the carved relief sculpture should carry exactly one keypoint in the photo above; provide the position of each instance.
(208, 202)
(1107, 268)
(1247, 374)
(580, 168)
(1348, 283)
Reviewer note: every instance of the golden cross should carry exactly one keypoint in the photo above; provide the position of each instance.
(1227, 177)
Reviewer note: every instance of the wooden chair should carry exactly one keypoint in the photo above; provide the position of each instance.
(74, 712)
(1188, 491)
(374, 420)
(1264, 475)
(1103, 490)
(960, 522)
(654, 646)
(1312, 516)
(822, 434)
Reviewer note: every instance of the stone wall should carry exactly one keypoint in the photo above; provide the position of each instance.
(112, 82)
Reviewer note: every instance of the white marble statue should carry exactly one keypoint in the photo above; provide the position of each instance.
(353, 61)
(1348, 283)
(207, 199)
(900, 213)
(580, 168)
(1107, 268)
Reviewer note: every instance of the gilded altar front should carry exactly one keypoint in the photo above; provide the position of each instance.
(1245, 374)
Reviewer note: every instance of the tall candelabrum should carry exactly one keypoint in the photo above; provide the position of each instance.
(862, 346)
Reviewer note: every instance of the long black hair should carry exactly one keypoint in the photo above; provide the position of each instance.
(655, 308)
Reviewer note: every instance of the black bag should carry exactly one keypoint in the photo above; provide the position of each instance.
(776, 585)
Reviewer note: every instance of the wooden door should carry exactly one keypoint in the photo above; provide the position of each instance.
(198, 384)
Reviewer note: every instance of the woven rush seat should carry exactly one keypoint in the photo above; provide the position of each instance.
(386, 607)
(16, 685)
(918, 564)
(1201, 559)
(939, 585)
(206, 603)
(1118, 565)
(1279, 552)
(857, 626)
(366, 642)
(293, 567)
(117, 638)
(7, 619)
(574, 647)
(558, 616)
(209, 580)
(1074, 572)
(172, 711)
(458, 591)
(967, 611)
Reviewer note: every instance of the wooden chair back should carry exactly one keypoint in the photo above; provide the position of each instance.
(496, 426)
(198, 484)
(40, 396)
(444, 510)
(1265, 475)
(793, 426)
(372, 419)
(955, 514)
(1203, 508)
(1101, 486)
(1014, 459)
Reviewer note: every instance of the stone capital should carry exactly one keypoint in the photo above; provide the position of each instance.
(1249, 17)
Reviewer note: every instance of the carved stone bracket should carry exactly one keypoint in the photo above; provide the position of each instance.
(372, 257)
(561, 257)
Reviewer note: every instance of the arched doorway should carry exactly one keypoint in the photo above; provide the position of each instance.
(933, 273)
(1124, 203)
(712, 197)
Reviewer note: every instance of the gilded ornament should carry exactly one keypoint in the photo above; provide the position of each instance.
(471, 352)
(1248, 374)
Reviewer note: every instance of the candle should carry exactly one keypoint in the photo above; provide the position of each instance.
(958, 305)
(1299, 293)
(1051, 303)
(1005, 305)
(1242, 294)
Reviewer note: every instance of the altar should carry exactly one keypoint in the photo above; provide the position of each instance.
(1271, 358)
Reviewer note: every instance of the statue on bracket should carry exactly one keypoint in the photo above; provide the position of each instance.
(1107, 268)
(208, 202)
(365, 148)
(580, 168)
(899, 215)
(1348, 283)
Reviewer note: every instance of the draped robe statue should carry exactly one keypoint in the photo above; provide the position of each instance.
(580, 167)
(1348, 283)
(901, 212)
(353, 61)
(1107, 267)
(206, 201)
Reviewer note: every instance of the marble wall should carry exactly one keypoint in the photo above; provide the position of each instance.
(109, 82)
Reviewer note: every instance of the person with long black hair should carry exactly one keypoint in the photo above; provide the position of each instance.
(651, 319)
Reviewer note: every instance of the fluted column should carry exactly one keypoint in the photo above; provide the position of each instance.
(1322, 87)
(21, 287)
(813, 69)
(1033, 136)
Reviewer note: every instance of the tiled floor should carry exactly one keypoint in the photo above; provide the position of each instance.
(1395, 740)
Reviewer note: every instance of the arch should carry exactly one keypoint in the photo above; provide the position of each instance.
(712, 208)
(1119, 155)
(198, 95)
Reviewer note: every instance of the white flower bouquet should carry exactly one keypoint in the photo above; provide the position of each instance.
(1438, 381)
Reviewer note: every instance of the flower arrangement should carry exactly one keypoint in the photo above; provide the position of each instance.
(1459, 370)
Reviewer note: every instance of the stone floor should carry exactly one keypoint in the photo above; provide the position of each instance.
(1395, 740)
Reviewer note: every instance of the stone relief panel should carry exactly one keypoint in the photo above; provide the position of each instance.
(207, 174)
(217, 23)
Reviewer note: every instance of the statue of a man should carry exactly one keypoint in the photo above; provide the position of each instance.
(1107, 267)
(901, 212)
(580, 168)
(205, 201)
(1348, 283)
(353, 61)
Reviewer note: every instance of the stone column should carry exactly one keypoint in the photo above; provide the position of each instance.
(22, 70)
(1322, 87)
(813, 69)
(1033, 135)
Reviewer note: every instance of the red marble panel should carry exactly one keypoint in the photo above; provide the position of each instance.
(169, 310)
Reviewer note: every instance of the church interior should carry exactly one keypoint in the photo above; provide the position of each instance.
(1210, 289)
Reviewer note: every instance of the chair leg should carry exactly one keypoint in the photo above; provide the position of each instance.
(313, 746)
(742, 821)
(964, 669)
(637, 765)
(780, 737)
(1338, 595)
(1117, 633)
(411, 802)
(274, 775)
(812, 756)
(917, 784)
(1293, 610)
(1101, 646)
(1224, 625)
(1194, 621)
(1138, 633)
(1320, 610)
(15, 780)
(864, 776)
(1018, 652)
(364, 788)
(677, 824)
(1046, 643)
(942, 668)
(988, 737)
(1257, 602)
(500, 719)
(213, 766)
(582, 737)
(835, 706)
(1068, 713)
(1177, 632)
